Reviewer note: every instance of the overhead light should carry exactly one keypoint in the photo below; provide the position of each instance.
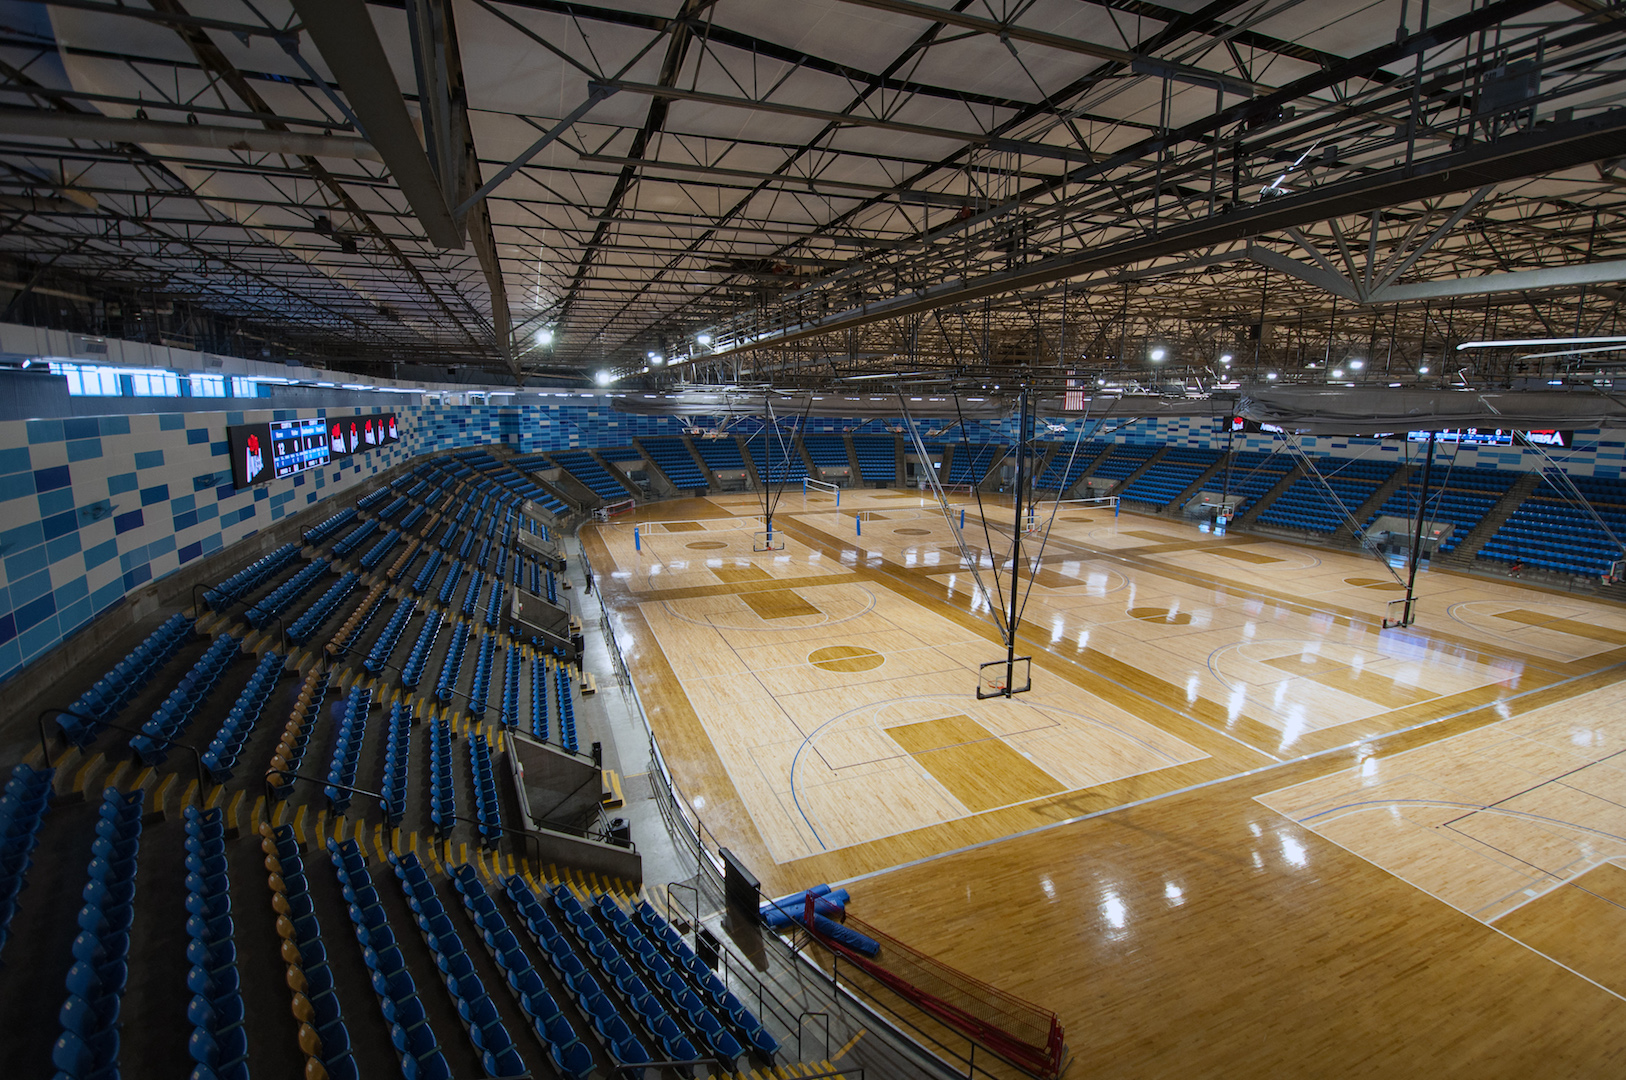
(1423, 370)
(1357, 364)
(656, 359)
(1271, 376)
(603, 378)
(1338, 373)
(544, 336)
(704, 339)
(1519, 343)
(1225, 359)
(1159, 353)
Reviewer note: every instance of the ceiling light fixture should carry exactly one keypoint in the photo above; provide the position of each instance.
(704, 339)
(1357, 364)
(1519, 343)
(603, 378)
(544, 336)
(1158, 353)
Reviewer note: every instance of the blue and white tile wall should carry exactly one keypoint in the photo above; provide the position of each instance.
(93, 507)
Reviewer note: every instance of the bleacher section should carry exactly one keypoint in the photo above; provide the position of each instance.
(580, 464)
(1066, 465)
(971, 462)
(1125, 459)
(673, 457)
(1250, 474)
(787, 464)
(1173, 473)
(827, 451)
(721, 454)
(877, 458)
(1460, 496)
(1304, 505)
(1550, 532)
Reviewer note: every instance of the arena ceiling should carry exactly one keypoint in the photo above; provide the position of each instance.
(1173, 194)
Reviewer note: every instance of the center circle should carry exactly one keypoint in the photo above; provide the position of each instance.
(847, 658)
(706, 545)
(913, 532)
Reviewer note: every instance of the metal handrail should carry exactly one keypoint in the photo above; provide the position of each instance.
(288, 774)
(197, 758)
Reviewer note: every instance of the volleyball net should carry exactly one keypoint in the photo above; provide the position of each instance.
(1029, 1036)
(810, 485)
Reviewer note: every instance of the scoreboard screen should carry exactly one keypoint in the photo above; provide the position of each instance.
(297, 445)
(271, 451)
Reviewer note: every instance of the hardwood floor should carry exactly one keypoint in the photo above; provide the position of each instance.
(1236, 829)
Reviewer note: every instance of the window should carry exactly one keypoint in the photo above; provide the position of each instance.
(243, 386)
(207, 385)
(154, 383)
(89, 380)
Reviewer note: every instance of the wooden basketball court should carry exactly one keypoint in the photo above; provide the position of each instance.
(1213, 834)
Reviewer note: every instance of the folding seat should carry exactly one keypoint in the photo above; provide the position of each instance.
(760, 1038)
(677, 1045)
(226, 1056)
(203, 1013)
(75, 1058)
(406, 1012)
(595, 1005)
(220, 988)
(572, 1059)
(453, 966)
(478, 1012)
(436, 926)
(721, 1041)
(385, 961)
(416, 1044)
(107, 895)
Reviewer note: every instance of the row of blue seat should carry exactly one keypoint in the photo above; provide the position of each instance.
(278, 600)
(250, 577)
(672, 457)
(570, 1056)
(970, 462)
(446, 686)
(427, 574)
(567, 710)
(330, 527)
(1069, 462)
(450, 583)
(723, 453)
(397, 754)
(877, 458)
(418, 658)
(508, 712)
(463, 549)
(373, 499)
(379, 655)
(88, 1048)
(218, 1044)
(108, 695)
(442, 786)
(356, 537)
(487, 806)
(23, 805)
(323, 1035)
(172, 717)
(378, 551)
(701, 976)
(776, 458)
(480, 685)
(494, 602)
(539, 699)
(304, 628)
(471, 595)
(415, 1042)
(398, 504)
(415, 515)
(827, 451)
(617, 1037)
(486, 1030)
(341, 770)
(221, 756)
(670, 981)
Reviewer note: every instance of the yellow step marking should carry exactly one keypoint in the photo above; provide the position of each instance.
(378, 839)
(321, 830)
(414, 844)
(395, 839)
(462, 852)
(846, 1046)
(160, 797)
(84, 773)
(612, 798)
(114, 777)
(189, 797)
(361, 836)
(215, 795)
(299, 823)
(234, 811)
(278, 812)
(510, 865)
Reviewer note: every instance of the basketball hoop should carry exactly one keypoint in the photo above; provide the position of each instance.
(768, 540)
(1004, 678)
